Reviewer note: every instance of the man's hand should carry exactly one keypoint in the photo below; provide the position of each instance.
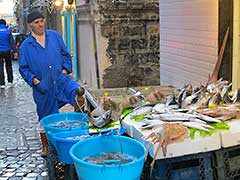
(15, 55)
(64, 71)
(35, 81)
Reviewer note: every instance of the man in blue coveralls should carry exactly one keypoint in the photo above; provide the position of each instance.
(6, 46)
(44, 64)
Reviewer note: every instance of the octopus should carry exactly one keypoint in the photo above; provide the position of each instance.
(163, 135)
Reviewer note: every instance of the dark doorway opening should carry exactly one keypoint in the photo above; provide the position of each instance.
(226, 20)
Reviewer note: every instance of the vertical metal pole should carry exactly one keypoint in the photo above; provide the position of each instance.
(75, 62)
(65, 28)
(68, 30)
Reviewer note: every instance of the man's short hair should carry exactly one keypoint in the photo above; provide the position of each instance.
(2, 21)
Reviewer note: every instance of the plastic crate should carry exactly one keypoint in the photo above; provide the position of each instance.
(227, 163)
(190, 167)
(57, 170)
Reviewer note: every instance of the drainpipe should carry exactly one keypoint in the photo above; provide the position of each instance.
(70, 36)
(95, 48)
(68, 30)
(75, 62)
(65, 28)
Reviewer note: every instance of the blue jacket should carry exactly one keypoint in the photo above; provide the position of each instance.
(55, 88)
(6, 39)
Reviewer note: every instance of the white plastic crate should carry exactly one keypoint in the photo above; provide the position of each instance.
(232, 137)
(186, 147)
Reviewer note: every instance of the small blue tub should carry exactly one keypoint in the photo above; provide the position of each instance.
(64, 144)
(48, 121)
(111, 143)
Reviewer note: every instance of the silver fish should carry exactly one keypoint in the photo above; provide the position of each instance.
(142, 110)
(198, 120)
(208, 118)
(195, 125)
(190, 99)
(151, 123)
(160, 108)
(236, 96)
(171, 100)
(201, 103)
(178, 114)
(183, 93)
(215, 99)
(102, 120)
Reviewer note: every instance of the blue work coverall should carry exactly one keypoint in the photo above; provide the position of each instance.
(55, 88)
(6, 46)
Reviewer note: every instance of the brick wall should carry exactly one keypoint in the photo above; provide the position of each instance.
(132, 30)
(128, 42)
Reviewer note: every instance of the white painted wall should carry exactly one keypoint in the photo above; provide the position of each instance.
(188, 41)
(86, 56)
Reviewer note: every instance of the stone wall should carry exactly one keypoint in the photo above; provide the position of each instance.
(119, 43)
(132, 30)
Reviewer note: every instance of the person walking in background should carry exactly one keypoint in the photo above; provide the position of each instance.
(7, 45)
(44, 63)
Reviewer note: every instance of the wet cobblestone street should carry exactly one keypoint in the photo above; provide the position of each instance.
(20, 148)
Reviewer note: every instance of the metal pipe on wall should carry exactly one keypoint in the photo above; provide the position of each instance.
(74, 45)
(70, 37)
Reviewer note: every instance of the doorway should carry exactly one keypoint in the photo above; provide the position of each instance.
(226, 20)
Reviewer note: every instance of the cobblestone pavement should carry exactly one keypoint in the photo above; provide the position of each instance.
(20, 148)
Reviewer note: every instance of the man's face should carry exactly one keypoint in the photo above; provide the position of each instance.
(38, 26)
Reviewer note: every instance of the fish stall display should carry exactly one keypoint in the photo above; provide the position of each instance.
(194, 107)
(109, 110)
(192, 116)
(190, 112)
(167, 118)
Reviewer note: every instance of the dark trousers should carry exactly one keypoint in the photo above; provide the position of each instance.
(5, 56)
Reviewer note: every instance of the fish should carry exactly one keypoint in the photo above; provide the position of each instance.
(102, 120)
(203, 127)
(171, 100)
(190, 99)
(113, 106)
(215, 99)
(208, 118)
(225, 94)
(137, 94)
(198, 120)
(201, 103)
(183, 93)
(236, 96)
(213, 87)
(231, 110)
(155, 97)
(177, 114)
(142, 110)
(163, 135)
(227, 117)
(151, 123)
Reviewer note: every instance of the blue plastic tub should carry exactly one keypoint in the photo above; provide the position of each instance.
(63, 145)
(59, 117)
(100, 144)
